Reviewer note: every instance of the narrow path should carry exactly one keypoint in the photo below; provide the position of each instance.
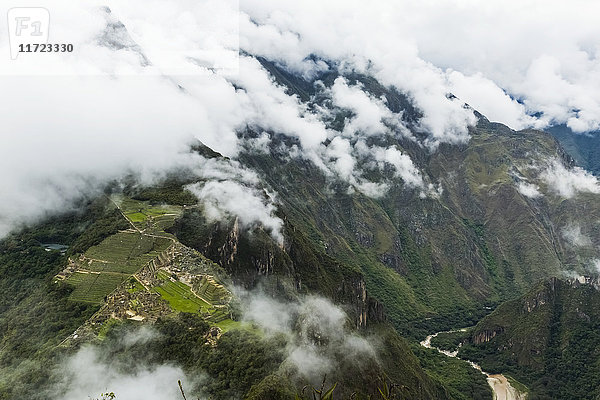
(138, 230)
(501, 387)
(123, 214)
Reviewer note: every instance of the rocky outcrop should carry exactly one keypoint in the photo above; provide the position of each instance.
(364, 309)
(538, 300)
(229, 249)
(486, 335)
(585, 280)
(265, 263)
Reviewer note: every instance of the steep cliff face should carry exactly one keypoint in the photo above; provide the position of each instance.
(521, 327)
(367, 310)
(549, 338)
(254, 259)
(485, 336)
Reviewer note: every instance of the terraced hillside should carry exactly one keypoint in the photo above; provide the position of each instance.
(101, 268)
(143, 272)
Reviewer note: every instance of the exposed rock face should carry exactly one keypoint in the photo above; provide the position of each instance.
(364, 308)
(229, 248)
(539, 300)
(116, 37)
(213, 335)
(265, 263)
(295, 266)
(486, 336)
(585, 280)
(394, 262)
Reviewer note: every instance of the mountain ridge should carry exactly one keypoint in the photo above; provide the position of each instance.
(420, 238)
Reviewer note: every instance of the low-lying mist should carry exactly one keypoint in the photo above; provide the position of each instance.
(94, 370)
(318, 337)
(303, 341)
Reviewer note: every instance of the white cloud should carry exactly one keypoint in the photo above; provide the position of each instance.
(572, 233)
(224, 169)
(373, 189)
(369, 113)
(271, 315)
(64, 136)
(596, 266)
(161, 38)
(490, 100)
(89, 372)
(269, 107)
(342, 156)
(359, 38)
(529, 190)
(339, 151)
(402, 164)
(225, 199)
(556, 70)
(317, 333)
(568, 182)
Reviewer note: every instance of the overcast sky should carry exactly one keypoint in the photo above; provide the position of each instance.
(106, 111)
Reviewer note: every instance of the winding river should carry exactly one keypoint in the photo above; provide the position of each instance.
(501, 387)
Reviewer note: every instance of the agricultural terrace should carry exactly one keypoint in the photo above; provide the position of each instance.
(146, 217)
(104, 267)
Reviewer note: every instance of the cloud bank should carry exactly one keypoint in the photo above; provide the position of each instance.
(317, 334)
(115, 111)
(529, 190)
(90, 376)
(568, 182)
(572, 233)
(90, 372)
(225, 199)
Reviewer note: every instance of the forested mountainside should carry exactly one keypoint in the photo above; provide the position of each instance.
(96, 302)
(395, 253)
(549, 338)
(498, 224)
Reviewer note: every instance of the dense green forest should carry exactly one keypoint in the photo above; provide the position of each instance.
(35, 315)
(549, 339)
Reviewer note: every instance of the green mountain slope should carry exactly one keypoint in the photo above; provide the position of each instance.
(432, 262)
(549, 339)
(36, 314)
(401, 265)
(37, 292)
